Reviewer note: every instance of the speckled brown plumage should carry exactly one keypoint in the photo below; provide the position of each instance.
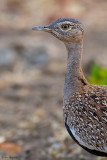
(86, 114)
(84, 105)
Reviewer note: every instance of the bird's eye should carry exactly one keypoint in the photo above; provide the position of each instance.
(65, 26)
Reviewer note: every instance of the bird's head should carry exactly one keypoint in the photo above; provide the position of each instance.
(65, 29)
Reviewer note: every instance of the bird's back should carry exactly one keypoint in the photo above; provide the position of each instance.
(85, 114)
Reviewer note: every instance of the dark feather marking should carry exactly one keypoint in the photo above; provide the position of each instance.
(97, 153)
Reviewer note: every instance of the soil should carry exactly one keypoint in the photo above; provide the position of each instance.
(31, 118)
(32, 73)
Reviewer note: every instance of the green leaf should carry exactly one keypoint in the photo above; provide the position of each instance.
(98, 74)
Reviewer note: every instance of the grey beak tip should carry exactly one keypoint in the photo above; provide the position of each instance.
(40, 28)
(35, 28)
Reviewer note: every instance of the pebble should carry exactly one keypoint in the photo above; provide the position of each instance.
(2, 139)
(7, 56)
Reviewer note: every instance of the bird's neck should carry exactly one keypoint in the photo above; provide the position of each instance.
(74, 76)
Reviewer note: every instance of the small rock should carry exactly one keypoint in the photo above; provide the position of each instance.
(7, 57)
(56, 146)
(2, 139)
(23, 125)
(51, 139)
(36, 55)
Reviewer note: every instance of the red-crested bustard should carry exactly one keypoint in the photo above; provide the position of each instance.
(84, 105)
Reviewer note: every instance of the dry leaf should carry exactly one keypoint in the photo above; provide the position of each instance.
(10, 148)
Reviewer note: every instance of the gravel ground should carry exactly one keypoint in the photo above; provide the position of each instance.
(32, 71)
(31, 90)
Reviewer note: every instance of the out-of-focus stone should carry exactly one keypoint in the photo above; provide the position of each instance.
(2, 139)
(7, 57)
(35, 55)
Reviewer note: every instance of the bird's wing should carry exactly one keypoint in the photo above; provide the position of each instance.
(86, 117)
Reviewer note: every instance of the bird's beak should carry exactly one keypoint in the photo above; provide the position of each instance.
(41, 28)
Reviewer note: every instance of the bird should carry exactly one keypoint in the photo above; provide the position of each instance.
(84, 104)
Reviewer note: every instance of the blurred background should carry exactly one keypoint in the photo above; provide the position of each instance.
(32, 71)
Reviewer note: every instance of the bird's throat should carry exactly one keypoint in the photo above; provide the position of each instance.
(74, 76)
